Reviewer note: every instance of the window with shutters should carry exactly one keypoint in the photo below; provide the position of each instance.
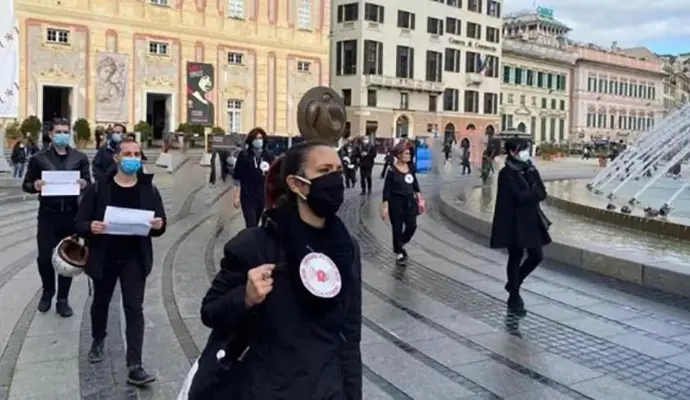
(406, 20)
(404, 62)
(373, 58)
(346, 57)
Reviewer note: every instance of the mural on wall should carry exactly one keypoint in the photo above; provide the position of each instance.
(111, 87)
(50, 64)
(200, 94)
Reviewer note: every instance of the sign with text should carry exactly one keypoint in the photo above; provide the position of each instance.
(200, 93)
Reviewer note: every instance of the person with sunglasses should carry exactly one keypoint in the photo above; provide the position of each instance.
(55, 213)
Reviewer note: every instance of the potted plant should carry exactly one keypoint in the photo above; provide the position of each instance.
(603, 157)
(217, 131)
(31, 128)
(82, 132)
(12, 133)
(145, 131)
(547, 151)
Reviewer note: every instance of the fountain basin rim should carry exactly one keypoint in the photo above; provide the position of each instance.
(656, 274)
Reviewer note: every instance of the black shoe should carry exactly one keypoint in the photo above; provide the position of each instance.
(139, 377)
(45, 302)
(516, 304)
(97, 352)
(363, 193)
(63, 309)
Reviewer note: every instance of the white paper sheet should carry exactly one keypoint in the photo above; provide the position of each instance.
(127, 221)
(60, 183)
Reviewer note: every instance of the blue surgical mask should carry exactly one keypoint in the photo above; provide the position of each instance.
(130, 165)
(61, 139)
(116, 137)
(258, 143)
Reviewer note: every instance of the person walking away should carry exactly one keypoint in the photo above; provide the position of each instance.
(103, 161)
(349, 166)
(100, 133)
(387, 162)
(288, 335)
(402, 200)
(19, 157)
(124, 258)
(250, 170)
(465, 156)
(366, 155)
(519, 224)
(55, 213)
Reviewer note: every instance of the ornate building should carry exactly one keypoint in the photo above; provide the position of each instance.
(616, 92)
(677, 81)
(418, 67)
(536, 76)
(127, 60)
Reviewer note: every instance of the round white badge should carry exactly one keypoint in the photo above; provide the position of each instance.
(320, 275)
(264, 166)
(409, 179)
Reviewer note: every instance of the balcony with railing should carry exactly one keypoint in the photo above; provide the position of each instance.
(390, 82)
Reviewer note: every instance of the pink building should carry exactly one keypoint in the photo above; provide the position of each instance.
(614, 95)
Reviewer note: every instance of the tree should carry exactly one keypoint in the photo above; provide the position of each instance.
(82, 130)
(13, 131)
(31, 127)
(145, 130)
(217, 131)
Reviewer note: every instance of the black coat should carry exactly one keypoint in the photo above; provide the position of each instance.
(365, 155)
(251, 178)
(92, 208)
(19, 154)
(292, 355)
(518, 219)
(103, 162)
(49, 160)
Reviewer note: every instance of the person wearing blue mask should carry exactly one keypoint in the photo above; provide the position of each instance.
(249, 174)
(124, 258)
(55, 213)
(103, 161)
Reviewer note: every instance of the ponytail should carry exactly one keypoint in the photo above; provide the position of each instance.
(275, 187)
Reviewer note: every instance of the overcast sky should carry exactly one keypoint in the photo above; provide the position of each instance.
(661, 25)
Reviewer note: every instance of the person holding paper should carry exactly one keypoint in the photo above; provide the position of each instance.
(55, 212)
(118, 216)
(103, 161)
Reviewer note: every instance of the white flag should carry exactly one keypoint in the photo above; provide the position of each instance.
(9, 61)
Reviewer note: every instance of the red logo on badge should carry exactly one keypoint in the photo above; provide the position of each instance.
(321, 276)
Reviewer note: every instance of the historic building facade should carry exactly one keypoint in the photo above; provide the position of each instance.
(126, 60)
(418, 68)
(536, 77)
(615, 95)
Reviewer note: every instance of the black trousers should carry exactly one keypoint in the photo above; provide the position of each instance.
(350, 177)
(402, 212)
(365, 179)
(132, 285)
(48, 235)
(518, 270)
(251, 210)
(466, 167)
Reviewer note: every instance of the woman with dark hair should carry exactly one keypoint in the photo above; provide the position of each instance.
(285, 308)
(519, 224)
(402, 200)
(250, 170)
(465, 156)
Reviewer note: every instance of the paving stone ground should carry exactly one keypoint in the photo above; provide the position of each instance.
(435, 330)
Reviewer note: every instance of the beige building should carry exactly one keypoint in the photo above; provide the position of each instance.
(677, 82)
(536, 77)
(418, 67)
(127, 61)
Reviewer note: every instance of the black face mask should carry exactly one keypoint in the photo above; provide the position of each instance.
(326, 194)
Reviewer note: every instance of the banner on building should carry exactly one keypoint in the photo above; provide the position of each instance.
(112, 81)
(200, 93)
(9, 61)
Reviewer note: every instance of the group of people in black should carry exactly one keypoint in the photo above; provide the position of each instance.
(285, 307)
(358, 154)
(119, 182)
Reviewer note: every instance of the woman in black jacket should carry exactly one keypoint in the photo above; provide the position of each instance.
(519, 224)
(287, 301)
(250, 170)
(402, 199)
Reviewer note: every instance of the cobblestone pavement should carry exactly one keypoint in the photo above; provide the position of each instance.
(435, 330)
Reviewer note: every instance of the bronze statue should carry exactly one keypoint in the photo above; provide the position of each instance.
(321, 115)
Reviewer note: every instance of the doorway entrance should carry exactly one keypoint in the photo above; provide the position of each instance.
(449, 134)
(402, 127)
(158, 113)
(57, 103)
